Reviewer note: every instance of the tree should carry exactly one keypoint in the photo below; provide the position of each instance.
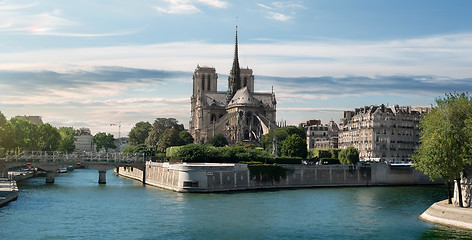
(49, 137)
(169, 138)
(3, 119)
(267, 140)
(445, 141)
(295, 130)
(349, 156)
(185, 138)
(219, 140)
(139, 133)
(103, 140)
(66, 144)
(6, 138)
(138, 149)
(158, 128)
(294, 146)
(25, 134)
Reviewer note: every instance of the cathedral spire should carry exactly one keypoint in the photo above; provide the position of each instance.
(234, 79)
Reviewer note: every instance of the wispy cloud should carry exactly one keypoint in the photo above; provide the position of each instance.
(6, 6)
(331, 87)
(187, 6)
(281, 10)
(65, 84)
(33, 19)
(447, 55)
(96, 97)
(279, 16)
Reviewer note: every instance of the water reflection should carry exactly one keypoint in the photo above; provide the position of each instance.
(76, 207)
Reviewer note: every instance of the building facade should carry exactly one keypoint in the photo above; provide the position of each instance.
(239, 113)
(321, 136)
(382, 133)
(83, 140)
(37, 120)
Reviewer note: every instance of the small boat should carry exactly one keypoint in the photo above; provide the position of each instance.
(62, 170)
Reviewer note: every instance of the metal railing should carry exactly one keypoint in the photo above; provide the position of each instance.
(42, 156)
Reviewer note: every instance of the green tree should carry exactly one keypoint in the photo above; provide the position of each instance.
(6, 138)
(445, 141)
(295, 130)
(169, 138)
(219, 140)
(139, 133)
(103, 140)
(158, 128)
(25, 134)
(294, 146)
(3, 119)
(185, 138)
(49, 137)
(349, 156)
(66, 144)
(138, 149)
(267, 140)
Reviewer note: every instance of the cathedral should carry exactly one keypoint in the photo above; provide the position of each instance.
(240, 114)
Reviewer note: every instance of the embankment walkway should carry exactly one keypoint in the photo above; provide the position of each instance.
(448, 214)
(8, 191)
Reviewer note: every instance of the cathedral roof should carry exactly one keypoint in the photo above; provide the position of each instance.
(244, 97)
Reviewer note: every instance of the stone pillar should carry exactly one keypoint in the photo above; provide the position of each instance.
(50, 176)
(144, 174)
(102, 177)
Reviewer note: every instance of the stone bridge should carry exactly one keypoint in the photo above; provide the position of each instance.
(52, 161)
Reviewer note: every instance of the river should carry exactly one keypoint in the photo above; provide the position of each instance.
(76, 207)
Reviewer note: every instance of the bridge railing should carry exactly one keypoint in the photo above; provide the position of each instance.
(42, 156)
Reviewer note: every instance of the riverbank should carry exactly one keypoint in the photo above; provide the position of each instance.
(8, 191)
(218, 177)
(448, 214)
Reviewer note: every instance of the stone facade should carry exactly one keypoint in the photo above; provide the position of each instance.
(239, 113)
(382, 133)
(83, 140)
(215, 177)
(321, 136)
(37, 120)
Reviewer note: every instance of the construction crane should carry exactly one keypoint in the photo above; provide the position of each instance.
(119, 129)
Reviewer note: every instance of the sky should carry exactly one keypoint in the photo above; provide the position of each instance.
(102, 64)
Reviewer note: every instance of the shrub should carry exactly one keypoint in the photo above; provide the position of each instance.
(286, 160)
(234, 154)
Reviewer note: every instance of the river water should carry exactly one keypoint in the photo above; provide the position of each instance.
(76, 207)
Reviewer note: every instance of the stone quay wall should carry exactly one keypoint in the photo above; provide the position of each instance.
(214, 177)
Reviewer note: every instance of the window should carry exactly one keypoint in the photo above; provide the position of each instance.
(208, 82)
(203, 83)
(190, 184)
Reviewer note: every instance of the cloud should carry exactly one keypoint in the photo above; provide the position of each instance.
(47, 87)
(447, 55)
(4, 6)
(279, 16)
(32, 19)
(331, 87)
(178, 7)
(281, 10)
(188, 6)
(96, 97)
(214, 3)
